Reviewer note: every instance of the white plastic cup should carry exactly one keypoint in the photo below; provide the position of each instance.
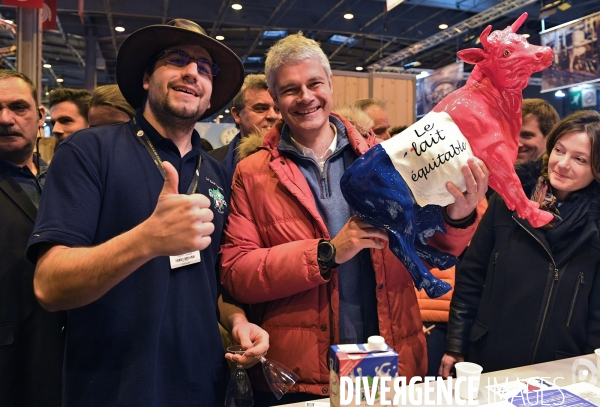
(597, 352)
(468, 370)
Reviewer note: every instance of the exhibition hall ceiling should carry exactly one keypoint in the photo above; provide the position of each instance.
(371, 35)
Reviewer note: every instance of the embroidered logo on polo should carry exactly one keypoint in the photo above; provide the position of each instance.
(218, 199)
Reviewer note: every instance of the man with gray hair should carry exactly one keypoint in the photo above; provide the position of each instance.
(314, 273)
(375, 108)
(253, 111)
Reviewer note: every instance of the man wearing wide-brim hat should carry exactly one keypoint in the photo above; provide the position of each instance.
(128, 234)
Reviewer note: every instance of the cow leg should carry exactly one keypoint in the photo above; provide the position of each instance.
(504, 180)
(421, 276)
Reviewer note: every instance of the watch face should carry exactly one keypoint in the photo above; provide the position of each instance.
(228, 134)
(325, 251)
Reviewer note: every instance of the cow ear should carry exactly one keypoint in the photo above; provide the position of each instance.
(472, 55)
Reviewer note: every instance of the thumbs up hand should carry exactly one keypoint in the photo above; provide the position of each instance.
(180, 223)
(171, 185)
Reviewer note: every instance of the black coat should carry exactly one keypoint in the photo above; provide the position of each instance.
(31, 339)
(517, 301)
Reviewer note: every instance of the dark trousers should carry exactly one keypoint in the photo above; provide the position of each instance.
(436, 346)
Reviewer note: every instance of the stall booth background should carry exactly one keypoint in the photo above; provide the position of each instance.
(398, 91)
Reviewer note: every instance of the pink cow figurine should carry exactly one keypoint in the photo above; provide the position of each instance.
(400, 184)
(488, 109)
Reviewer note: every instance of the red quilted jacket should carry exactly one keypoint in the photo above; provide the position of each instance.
(269, 260)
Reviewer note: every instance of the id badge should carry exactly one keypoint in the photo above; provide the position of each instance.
(185, 259)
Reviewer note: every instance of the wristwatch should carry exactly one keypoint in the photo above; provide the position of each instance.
(326, 255)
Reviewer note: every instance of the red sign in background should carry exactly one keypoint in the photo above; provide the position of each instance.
(24, 3)
(49, 15)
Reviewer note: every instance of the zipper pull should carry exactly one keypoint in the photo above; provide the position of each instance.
(555, 274)
(495, 257)
(581, 278)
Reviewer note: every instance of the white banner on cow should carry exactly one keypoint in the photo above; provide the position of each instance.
(429, 154)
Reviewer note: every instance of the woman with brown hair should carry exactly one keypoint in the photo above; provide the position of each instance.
(526, 295)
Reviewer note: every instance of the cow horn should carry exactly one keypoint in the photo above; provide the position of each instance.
(483, 38)
(515, 26)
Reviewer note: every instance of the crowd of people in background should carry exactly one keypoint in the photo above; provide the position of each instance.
(132, 258)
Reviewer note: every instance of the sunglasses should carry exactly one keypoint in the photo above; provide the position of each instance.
(181, 59)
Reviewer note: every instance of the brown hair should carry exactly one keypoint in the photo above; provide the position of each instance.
(252, 81)
(545, 113)
(79, 97)
(110, 95)
(587, 121)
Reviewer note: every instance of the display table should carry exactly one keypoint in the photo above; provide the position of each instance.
(571, 370)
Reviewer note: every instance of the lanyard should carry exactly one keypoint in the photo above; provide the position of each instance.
(145, 141)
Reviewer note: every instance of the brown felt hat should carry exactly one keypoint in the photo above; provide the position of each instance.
(142, 44)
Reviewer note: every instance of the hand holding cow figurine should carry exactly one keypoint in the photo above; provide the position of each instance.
(400, 184)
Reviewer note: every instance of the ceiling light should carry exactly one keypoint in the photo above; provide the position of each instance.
(60, 80)
(226, 110)
(423, 74)
(526, 35)
(8, 21)
(564, 6)
(359, 68)
(348, 16)
(342, 39)
(443, 26)
(221, 116)
(560, 94)
(220, 37)
(274, 34)
(47, 93)
(412, 64)
(47, 66)
(119, 28)
(236, 6)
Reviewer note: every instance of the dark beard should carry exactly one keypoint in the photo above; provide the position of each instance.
(169, 117)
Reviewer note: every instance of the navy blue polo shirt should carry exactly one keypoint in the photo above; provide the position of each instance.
(153, 339)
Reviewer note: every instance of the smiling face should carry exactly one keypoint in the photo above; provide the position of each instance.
(569, 165)
(532, 143)
(178, 94)
(303, 94)
(259, 112)
(19, 121)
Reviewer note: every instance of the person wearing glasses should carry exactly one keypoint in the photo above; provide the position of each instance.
(128, 234)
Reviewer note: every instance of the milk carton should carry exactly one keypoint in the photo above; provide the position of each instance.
(364, 362)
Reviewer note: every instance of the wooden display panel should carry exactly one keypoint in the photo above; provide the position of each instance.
(398, 92)
(349, 86)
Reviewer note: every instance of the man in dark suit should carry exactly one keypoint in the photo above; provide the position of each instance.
(31, 339)
(253, 110)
